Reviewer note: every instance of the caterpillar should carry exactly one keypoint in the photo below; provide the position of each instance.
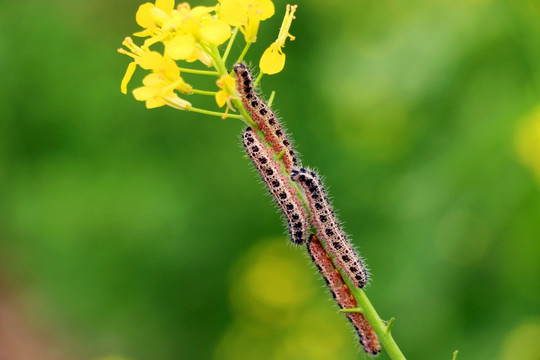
(342, 295)
(324, 219)
(278, 185)
(265, 119)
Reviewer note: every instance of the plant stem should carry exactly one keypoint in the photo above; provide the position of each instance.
(271, 100)
(199, 72)
(258, 79)
(229, 45)
(381, 329)
(213, 113)
(203, 92)
(244, 51)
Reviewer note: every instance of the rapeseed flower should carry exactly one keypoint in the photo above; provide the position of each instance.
(273, 59)
(158, 92)
(193, 34)
(246, 15)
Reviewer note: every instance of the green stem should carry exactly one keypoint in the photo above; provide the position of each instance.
(380, 328)
(271, 100)
(214, 113)
(199, 72)
(243, 53)
(203, 92)
(258, 79)
(229, 46)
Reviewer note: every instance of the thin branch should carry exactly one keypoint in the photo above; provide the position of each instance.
(229, 46)
(214, 113)
(203, 92)
(199, 72)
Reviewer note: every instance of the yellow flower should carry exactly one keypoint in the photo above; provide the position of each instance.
(158, 92)
(246, 15)
(191, 30)
(151, 60)
(185, 32)
(273, 59)
(149, 14)
(224, 95)
(159, 86)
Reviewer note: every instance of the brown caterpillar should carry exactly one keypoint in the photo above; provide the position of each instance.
(342, 295)
(324, 219)
(265, 119)
(278, 185)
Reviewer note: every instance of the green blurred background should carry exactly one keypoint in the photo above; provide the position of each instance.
(128, 233)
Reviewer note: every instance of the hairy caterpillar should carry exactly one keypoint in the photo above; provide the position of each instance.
(323, 217)
(342, 295)
(264, 117)
(278, 185)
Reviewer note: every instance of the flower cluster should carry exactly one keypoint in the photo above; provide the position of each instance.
(193, 35)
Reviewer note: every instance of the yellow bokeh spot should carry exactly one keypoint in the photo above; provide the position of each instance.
(522, 343)
(528, 142)
(280, 310)
(276, 283)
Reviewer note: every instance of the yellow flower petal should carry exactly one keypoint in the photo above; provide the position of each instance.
(170, 68)
(181, 47)
(127, 76)
(273, 60)
(232, 12)
(265, 8)
(221, 98)
(200, 11)
(150, 60)
(215, 31)
(159, 16)
(154, 79)
(144, 93)
(229, 82)
(154, 102)
(165, 5)
(143, 17)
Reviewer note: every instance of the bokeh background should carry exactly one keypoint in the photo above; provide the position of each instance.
(128, 233)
